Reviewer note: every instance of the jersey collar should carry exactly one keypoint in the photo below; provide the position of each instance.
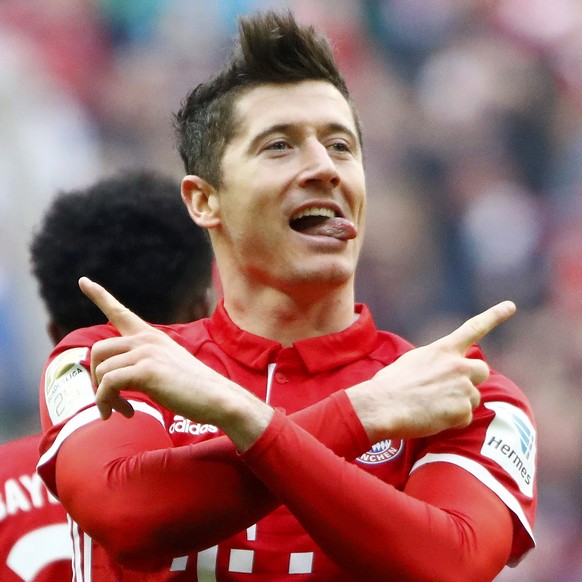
(317, 354)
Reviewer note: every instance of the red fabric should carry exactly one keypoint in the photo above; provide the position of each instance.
(26, 509)
(203, 491)
(169, 487)
(381, 533)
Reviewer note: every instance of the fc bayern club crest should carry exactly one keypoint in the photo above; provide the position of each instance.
(382, 452)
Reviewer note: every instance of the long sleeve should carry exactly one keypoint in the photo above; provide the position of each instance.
(375, 531)
(153, 496)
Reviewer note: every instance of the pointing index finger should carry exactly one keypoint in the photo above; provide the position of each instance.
(120, 316)
(477, 327)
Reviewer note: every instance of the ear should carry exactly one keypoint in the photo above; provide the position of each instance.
(201, 200)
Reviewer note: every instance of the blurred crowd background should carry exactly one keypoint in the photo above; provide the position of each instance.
(472, 117)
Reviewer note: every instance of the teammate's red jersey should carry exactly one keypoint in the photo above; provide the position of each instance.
(198, 505)
(35, 544)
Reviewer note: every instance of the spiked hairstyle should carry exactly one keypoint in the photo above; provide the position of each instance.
(271, 48)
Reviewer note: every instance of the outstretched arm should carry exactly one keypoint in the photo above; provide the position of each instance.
(425, 391)
(204, 492)
(127, 363)
(445, 526)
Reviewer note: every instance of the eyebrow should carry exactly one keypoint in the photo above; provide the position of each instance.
(275, 128)
(290, 127)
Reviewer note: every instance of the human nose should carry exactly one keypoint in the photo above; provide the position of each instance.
(319, 167)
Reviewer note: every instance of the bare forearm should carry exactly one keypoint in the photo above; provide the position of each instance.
(241, 415)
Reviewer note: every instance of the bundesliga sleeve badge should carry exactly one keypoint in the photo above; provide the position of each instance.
(67, 385)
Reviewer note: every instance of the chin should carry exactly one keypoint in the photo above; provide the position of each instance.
(327, 275)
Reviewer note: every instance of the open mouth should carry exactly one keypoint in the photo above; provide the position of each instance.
(319, 221)
(308, 221)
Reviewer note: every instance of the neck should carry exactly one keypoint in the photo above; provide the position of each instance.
(286, 317)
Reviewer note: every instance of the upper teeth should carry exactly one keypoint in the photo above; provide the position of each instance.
(315, 211)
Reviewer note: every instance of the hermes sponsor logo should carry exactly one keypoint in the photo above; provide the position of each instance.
(513, 456)
(382, 452)
(185, 426)
(511, 442)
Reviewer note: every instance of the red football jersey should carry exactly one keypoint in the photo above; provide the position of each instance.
(237, 525)
(35, 544)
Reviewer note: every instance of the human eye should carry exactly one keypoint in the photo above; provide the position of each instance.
(277, 145)
(276, 148)
(340, 146)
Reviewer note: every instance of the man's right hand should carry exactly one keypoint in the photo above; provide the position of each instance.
(148, 360)
(431, 388)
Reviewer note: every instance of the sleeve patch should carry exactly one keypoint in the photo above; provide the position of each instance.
(510, 441)
(67, 385)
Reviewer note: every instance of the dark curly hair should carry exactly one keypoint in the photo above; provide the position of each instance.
(131, 233)
(271, 48)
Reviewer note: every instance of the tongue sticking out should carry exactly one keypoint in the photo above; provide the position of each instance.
(338, 228)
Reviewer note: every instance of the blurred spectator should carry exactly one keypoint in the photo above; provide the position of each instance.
(12, 346)
(46, 143)
(70, 44)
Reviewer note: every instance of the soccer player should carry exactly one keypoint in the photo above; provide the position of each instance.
(35, 544)
(133, 234)
(309, 445)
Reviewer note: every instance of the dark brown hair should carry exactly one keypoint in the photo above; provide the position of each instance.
(271, 48)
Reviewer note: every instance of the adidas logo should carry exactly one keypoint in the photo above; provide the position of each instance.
(186, 426)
